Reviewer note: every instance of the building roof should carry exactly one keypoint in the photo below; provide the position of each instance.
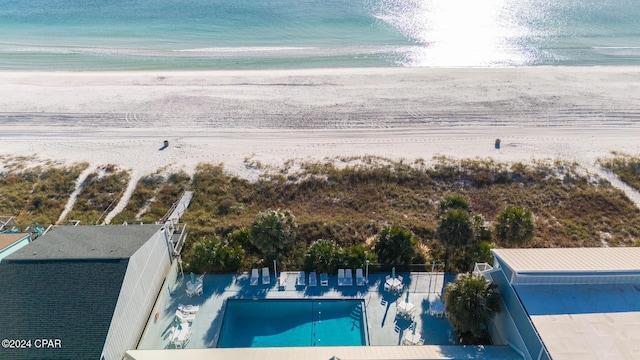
(592, 321)
(70, 300)
(432, 352)
(7, 240)
(617, 259)
(87, 242)
(65, 286)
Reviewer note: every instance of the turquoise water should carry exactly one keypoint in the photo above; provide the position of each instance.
(287, 323)
(265, 34)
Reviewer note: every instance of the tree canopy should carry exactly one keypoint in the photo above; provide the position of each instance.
(455, 201)
(470, 302)
(214, 255)
(396, 245)
(273, 231)
(514, 226)
(322, 256)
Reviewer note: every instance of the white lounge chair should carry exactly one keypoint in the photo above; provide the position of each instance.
(348, 278)
(188, 309)
(359, 277)
(255, 277)
(313, 279)
(324, 279)
(341, 277)
(282, 281)
(302, 279)
(185, 318)
(266, 278)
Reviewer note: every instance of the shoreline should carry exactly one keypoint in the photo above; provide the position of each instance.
(121, 118)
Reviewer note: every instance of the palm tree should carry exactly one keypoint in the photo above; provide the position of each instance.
(273, 232)
(396, 245)
(454, 231)
(514, 226)
(470, 301)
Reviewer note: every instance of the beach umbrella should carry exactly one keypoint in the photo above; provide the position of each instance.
(414, 328)
(406, 299)
(393, 272)
(179, 325)
(193, 278)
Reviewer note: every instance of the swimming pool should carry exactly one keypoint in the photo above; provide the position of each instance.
(287, 323)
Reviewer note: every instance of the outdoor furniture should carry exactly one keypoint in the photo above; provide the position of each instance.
(282, 281)
(255, 277)
(185, 318)
(194, 288)
(436, 308)
(301, 279)
(180, 335)
(348, 278)
(406, 309)
(324, 279)
(266, 278)
(359, 277)
(188, 309)
(393, 285)
(412, 339)
(313, 279)
(341, 277)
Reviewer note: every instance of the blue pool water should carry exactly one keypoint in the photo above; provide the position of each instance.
(286, 323)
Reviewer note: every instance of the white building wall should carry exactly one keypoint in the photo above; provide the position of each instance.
(142, 282)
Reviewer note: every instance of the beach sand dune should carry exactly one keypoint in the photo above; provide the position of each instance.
(574, 113)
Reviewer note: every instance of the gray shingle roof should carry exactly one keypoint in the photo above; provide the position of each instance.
(87, 242)
(65, 285)
(70, 300)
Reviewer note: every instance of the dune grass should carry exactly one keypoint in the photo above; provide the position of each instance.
(35, 191)
(350, 201)
(346, 200)
(100, 192)
(627, 167)
(153, 196)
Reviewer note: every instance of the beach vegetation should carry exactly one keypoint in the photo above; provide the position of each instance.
(348, 200)
(455, 231)
(215, 255)
(514, 226)
(99, 193)
(152, 197)
(323, 256)
(274, 232)
(470, 302)
(37, 192)
(395, 245)
(625, 166)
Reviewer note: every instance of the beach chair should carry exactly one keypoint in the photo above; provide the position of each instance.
(348, 278)
(188, 309)
(185, 318)
(341, 277)
(313, 279)
(255, 277)
(359, 277)
(301, 280)
(266, 278)
(282, 281)
(324, 279)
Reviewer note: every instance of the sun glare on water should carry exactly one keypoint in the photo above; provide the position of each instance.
(457, 32)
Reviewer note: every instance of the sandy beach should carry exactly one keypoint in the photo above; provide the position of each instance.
(122, 118)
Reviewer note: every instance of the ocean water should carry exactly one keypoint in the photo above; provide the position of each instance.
(282, 34)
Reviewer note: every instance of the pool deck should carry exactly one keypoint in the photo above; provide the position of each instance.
(384, 327)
